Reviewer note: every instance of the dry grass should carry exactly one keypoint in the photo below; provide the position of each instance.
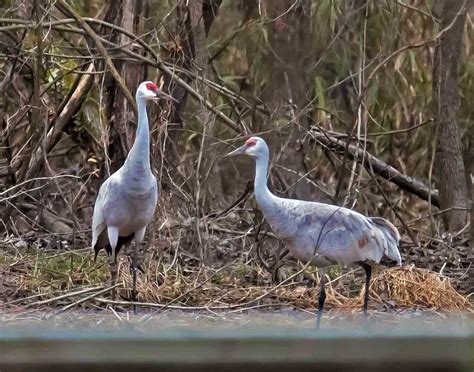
(410, 286)
(42, 279)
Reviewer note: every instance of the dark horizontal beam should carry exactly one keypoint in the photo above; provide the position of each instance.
(262, 350)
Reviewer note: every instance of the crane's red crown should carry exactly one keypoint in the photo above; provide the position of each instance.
(251, 142)
(151, 86)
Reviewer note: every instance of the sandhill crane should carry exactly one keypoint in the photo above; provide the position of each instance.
(321, 234)
(127, 199)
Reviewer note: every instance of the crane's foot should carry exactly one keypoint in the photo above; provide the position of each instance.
(133, 299)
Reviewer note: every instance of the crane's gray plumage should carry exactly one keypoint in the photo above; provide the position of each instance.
(127, 199)
(321, 234)
(338, 234)
(127, 206)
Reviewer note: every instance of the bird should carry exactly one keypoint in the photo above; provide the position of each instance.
(127, 200)
(321, 234)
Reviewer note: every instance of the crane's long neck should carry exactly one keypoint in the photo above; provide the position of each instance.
(138, 158)
(262, 193)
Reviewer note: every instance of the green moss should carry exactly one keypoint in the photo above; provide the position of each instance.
(66, 270)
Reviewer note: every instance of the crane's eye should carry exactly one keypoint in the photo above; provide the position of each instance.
(251, 142)
(152, 86)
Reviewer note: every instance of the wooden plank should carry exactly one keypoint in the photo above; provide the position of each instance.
(198, 350)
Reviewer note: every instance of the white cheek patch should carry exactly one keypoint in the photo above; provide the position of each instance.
(149, 94)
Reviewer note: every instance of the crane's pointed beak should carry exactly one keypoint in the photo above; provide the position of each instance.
(160, 94)
(239, 151)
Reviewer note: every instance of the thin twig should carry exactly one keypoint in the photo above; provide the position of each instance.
(62, 297)
(90, 297)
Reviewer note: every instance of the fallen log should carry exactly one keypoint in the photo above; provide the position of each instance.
(377, 166)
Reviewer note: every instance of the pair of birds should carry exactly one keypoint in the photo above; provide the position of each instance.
(315, 233)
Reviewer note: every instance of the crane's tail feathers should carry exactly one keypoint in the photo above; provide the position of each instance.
(392, 238)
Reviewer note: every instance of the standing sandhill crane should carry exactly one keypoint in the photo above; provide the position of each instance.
(322, 234)
(127, 199)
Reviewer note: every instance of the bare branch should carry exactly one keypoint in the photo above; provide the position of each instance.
(381, 168)
(113, 70)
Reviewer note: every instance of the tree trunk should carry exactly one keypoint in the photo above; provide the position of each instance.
(129, 15)
(209, 185)
(186, 47)
(180, 55)
(449, 164)
(286, 91)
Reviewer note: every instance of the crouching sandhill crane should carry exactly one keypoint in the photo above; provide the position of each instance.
(321, 234)
(127, 199)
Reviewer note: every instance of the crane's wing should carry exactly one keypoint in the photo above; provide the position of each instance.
(333, 227)
(98, 221)
(349, 236)
(336, 233)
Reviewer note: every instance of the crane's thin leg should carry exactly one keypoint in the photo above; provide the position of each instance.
(321, 299)
(134, 275)
(113, 278)
(138, 239)
(112, 233)
(368, 274)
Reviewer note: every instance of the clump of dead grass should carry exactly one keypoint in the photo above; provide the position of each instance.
(410, 286)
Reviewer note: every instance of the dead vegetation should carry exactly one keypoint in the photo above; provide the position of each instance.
(45, 279)
(415, 287)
